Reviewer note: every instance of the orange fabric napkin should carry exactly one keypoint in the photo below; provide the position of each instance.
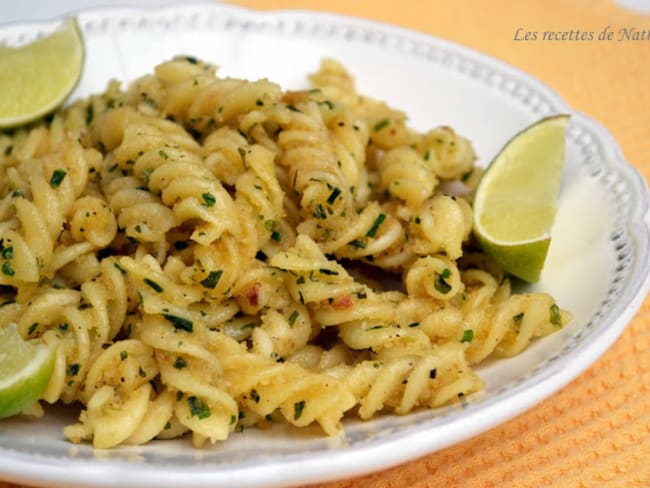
(596, 431)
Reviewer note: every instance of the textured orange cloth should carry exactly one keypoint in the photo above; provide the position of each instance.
(596, 431)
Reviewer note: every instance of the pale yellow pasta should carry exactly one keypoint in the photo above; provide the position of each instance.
(208, 254)
(408, 381)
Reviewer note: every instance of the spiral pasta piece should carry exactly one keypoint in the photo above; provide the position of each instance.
(403, 383)
(264, 385)
(118, 395)
(195, 376)
(207, 254)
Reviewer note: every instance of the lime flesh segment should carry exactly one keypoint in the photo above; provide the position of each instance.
(36, 78)
(25, 371)
(516, 201)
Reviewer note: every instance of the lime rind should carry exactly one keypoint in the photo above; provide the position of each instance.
(37, 78)
(515, 203)
(525, 260)
(22, 385)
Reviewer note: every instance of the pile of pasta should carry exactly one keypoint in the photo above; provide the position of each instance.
(209, 253)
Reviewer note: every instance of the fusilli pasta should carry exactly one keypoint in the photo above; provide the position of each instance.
(208, 254)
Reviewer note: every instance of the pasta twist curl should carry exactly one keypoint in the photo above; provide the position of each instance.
(405, 382)
(38, 199)
(78, 323)
(195, 376)
(263, 385)
(208, 253)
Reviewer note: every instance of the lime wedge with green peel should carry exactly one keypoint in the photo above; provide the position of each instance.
(516, 200)
(25, 369)
(36, 78)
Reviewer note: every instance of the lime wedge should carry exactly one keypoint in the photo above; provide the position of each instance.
(36, 78)
(25, 369)
(516, 200)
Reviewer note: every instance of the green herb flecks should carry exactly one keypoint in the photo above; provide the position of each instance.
(298, 407)
(180, 323)
(383, 123)
(556, 316)
(57, 177)
(153, 285)
(333, 196)
(7, 269)
(198, 408)
(208, 199)
(212, 279)
(468, 336)
(7, 252)
(441, 281)
(255, 396)
(319, 212)
(293, 317)
(372, 232)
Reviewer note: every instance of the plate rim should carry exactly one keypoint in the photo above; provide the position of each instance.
(354, 461)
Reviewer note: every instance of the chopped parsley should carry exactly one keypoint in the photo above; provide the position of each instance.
(153, 285)
(440, 282)
(518, 318)
(255, 396)
(180, 322)
(293, 317)
(57, 177)
(375, 226)
(333, 196)
(375, 327)
(123, 355)
(7, 252)
(179, 363)
(90, 114)
(556, 316)
(208, 199)
(212, 279)
(198, 408)
(73, 369)
(319, 212)
(7, 269)
(383, 123)
(328, 272)
(468, 336)
(298, 407)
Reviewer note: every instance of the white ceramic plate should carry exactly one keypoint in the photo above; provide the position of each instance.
(597, 267)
